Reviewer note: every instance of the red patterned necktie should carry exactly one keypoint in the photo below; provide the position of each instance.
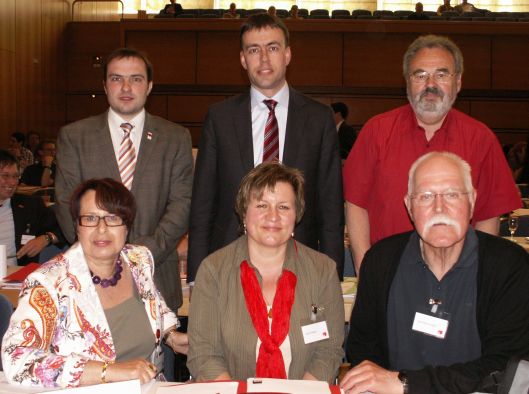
(127, 156)
(271, 136)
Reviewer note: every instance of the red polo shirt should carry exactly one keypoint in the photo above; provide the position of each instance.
(375, 174)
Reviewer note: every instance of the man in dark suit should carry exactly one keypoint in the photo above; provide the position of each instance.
(26, 225)
(233, 142)
(162, 176)
(346, 134)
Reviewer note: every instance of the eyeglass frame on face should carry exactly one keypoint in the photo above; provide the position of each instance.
(449, 197)
(439, 76)
(105, 219)
(6, 176)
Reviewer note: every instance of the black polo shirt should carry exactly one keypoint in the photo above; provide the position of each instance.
(411, 290)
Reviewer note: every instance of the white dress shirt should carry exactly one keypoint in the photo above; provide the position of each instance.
(7, 231)
(260, 115)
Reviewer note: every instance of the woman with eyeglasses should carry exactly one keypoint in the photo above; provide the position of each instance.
(92, 314)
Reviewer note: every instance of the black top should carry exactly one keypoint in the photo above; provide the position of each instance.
(33, 174)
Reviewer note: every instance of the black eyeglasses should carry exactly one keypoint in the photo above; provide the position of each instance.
(93, 220)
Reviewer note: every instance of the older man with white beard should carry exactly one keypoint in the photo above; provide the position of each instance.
(375, 171)
(440, 308)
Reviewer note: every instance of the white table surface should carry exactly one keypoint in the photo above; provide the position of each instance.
(6, 388)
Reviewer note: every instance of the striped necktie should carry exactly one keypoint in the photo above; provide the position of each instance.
(127, 156)
(271, 137)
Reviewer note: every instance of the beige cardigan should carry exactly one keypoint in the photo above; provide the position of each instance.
(221, 334)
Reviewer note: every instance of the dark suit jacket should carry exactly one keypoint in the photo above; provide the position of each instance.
(346, 139)
(162, 186)
(177, 8)
(32, 217)
(225, 156)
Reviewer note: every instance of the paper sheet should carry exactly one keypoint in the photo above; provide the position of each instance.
(201, 388)
(129, 387)
(259, 385)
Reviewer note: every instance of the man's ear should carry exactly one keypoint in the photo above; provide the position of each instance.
(243, 60)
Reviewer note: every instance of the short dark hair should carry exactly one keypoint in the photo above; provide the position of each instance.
(124, 53)
(111, 196)
(46, 141)
(341, 108)
(266, 176)
(7, 159)
(262, 21)
(20, 137)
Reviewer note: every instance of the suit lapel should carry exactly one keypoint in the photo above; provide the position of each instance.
(243, 130)
(19, 219)
(149, 139)
(103, 145)
(295, 126)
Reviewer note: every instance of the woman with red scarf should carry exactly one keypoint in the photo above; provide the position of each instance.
(266, 305)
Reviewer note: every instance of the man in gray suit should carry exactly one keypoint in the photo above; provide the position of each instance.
(162, 174)
(233, 142)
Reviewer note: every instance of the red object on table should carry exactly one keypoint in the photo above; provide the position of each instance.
(22, 273)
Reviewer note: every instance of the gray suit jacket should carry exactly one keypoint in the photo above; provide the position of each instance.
(161, 186)
(225, 156)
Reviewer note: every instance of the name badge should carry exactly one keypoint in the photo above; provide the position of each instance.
(315, 332)
(26, 238)
(430, 325)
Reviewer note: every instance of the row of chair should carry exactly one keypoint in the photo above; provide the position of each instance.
(363, 14)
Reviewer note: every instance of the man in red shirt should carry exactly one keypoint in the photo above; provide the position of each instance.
(375, 173)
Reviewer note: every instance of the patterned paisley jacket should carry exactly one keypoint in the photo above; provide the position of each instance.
(59, 323)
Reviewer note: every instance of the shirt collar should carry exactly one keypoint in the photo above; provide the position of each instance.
(281, 97)
(6, 204)
(444, 125)
(339, 124)
(470, 246)
(115, 121)
(243, 253)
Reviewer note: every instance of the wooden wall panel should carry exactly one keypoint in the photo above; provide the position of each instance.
(189, 109)
(7, 69)
(173, 54)
(195, 134)
(32, 66)
(316, 59)
(55, 16)
(374, 60)
(502, 114)
(7, 96)
(157, 105)
(477, 60)
(28, 38)
(83, 105)
(85, 42)
(510, 62)
(218, 60)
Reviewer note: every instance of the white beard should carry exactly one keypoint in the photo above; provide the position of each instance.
(430, 109)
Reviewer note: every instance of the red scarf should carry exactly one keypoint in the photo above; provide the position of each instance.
(270, 362)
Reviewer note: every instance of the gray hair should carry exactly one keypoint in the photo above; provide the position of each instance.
(432, 41)
(464, 169)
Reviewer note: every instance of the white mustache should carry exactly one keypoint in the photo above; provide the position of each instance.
(441, 219)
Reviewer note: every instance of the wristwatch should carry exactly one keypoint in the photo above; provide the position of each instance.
(48, 238)
(403, 377)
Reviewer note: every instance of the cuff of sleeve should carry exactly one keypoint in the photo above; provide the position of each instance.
(72, 371)
(418, 382)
